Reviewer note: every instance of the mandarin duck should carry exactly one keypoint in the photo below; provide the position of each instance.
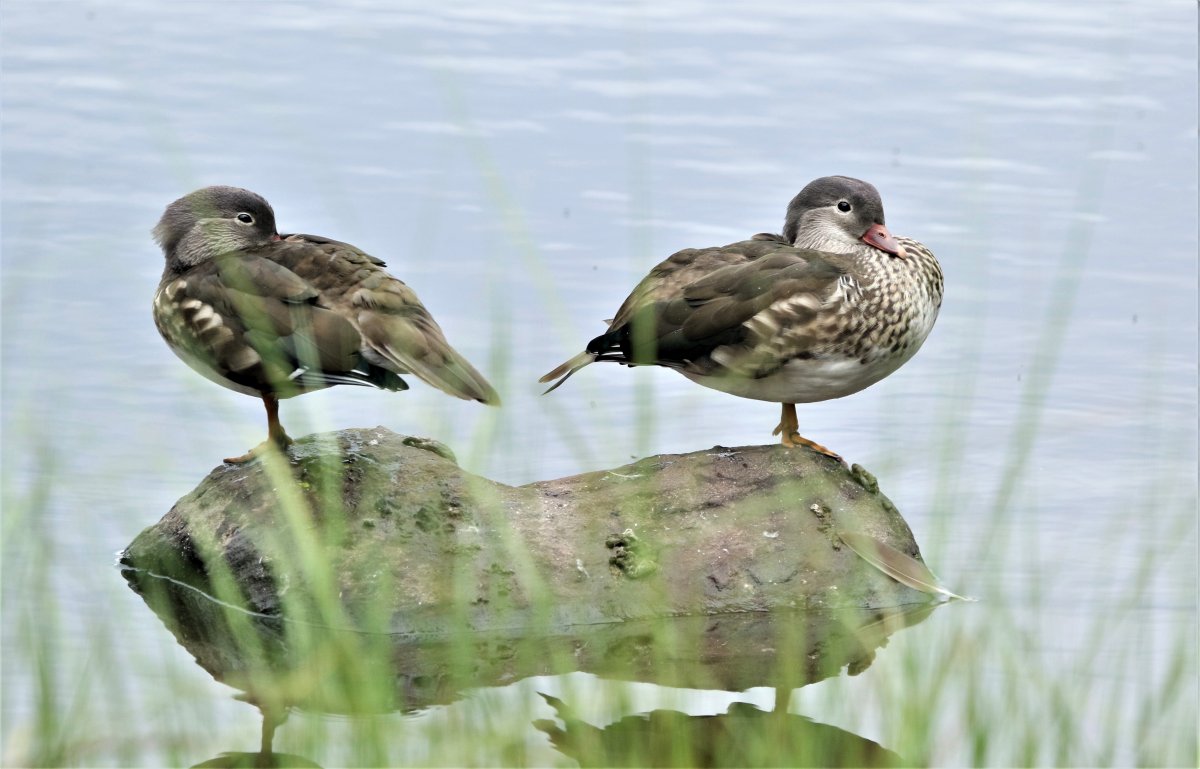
(275, 316)
(831, 306)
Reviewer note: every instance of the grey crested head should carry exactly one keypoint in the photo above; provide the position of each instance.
(838, 214)
(213, 221)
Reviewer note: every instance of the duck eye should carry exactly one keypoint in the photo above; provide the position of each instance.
(245, 218)
(843, 206)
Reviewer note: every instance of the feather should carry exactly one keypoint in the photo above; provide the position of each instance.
(900, 567)
(564, 371)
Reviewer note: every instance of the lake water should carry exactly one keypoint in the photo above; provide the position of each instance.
(522, 166)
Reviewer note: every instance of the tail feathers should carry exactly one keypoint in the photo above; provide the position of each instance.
(564, 372)
(450, 372)
(476, 387)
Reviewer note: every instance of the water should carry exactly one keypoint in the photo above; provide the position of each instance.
(521, 168)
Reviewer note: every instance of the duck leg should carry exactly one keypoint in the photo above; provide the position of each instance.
(788, 431)
(275, 431)
(277, 437)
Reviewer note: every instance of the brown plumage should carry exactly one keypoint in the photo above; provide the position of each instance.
(828, 308)
(277, 316)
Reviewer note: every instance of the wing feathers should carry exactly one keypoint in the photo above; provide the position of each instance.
(397, 332)
(420, 348)
(305, 313)
(718, 308)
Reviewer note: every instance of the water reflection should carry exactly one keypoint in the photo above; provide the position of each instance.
(279, 664)
(742, 736)
(265, 759)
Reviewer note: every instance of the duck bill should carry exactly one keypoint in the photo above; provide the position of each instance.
(879, 237)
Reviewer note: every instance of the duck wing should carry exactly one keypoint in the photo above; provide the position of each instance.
(665, 283)
(748, 316)
(397, 332)
(250, 324)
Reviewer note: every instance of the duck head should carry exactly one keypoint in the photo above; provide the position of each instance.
(838, 214)
(213, 221)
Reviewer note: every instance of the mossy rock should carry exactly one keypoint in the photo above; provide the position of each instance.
(385, 532)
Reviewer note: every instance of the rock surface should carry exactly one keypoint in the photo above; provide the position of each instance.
(408, 542)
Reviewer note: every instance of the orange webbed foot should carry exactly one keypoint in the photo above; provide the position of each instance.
(278, 443)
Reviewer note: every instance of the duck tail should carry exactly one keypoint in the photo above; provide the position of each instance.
(563, 373)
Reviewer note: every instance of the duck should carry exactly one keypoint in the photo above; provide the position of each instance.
(832, 305)
(278, 315)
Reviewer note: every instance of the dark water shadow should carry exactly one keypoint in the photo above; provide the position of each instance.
(279, 664)
(742, 736)
(261, 760)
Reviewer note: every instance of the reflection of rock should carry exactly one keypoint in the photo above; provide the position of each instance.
(273, 715)
(280, 663)
(404, 540)
(743, 736)
(256, 761)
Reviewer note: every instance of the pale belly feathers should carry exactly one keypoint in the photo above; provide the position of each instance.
(807, 380)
